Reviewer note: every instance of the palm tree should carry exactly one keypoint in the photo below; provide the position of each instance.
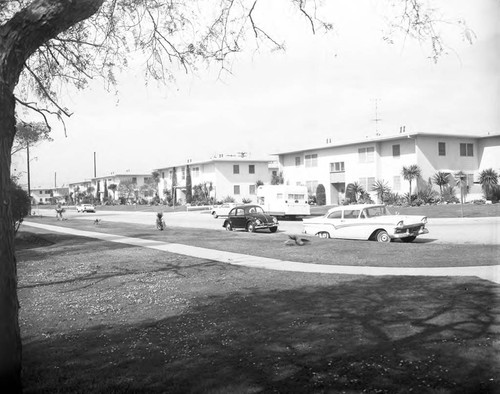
(410, 173)
(354, 190)
(489, 180)
(440, 179)
(381, 187)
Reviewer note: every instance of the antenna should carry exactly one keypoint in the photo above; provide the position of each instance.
(376, 119)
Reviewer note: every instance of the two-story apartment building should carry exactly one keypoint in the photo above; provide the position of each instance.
(229, 175)
(383, 157)
(49, 195)
(98, 187)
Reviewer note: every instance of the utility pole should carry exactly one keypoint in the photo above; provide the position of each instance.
(377, 119)
(28, 172)
(95, 172)
(55, 180)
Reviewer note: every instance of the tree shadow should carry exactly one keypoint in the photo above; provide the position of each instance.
(382, 334)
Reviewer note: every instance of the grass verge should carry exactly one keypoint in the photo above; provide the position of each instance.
(102, 317)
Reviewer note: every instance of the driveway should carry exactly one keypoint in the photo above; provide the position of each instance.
(455, 230)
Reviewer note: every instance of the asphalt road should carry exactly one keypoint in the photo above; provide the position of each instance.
(456, 231)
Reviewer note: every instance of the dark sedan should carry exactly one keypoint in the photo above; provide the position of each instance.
(250, 218)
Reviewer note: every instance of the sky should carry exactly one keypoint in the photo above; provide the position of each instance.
(322, 86)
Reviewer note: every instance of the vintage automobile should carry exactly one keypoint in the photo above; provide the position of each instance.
(85, 208)
(367, 221)
(250, 218)
(223, 209)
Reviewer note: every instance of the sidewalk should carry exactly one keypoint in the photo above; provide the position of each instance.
(490, 273)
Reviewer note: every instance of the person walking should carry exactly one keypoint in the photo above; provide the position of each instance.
(59, 211)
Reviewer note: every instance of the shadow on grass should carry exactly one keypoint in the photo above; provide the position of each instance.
(374, 334)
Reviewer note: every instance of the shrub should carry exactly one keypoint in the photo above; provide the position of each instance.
(320, 195)
(20, 203)
(229, 199)
(449, 195)
(246, 200)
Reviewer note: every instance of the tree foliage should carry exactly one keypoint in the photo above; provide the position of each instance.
(21, 204)
(488, 178)
(320, 195)
(411, 173)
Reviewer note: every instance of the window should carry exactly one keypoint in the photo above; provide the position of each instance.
(351, 213)
(134, 179)
(274, 173)
(170, 174)
(236, 169)
(251, 189)
(297, 161)
(442, 148)
(466, 150)
(312, 186)
(470, 180)
(312, 160)
(396, 183)
(251, 168)
(335, 215)
(396, 150)
(195, 172)
(367, 183)
(366, 155)
(236, 189)
(337, 167)
(183, 173)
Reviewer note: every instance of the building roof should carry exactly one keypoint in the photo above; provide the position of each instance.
(387, 138)
(247, 158)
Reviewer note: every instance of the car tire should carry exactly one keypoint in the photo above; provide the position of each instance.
(323, 234)
(273, 229)
(229, 227)
(383, 236)
(251, 227)
(408, 239)
(215, 215)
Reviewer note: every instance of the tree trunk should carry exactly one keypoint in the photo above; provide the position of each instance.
(10, 339)
(20, 36)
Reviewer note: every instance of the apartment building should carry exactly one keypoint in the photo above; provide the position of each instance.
(383, 157)
(98, 187)
(233, 175)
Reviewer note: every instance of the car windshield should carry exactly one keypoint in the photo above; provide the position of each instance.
(376, 211)
(255, 210)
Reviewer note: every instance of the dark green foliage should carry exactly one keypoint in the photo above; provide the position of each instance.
(20, 204)
(320, 195)
(277, 179)
(189, 186)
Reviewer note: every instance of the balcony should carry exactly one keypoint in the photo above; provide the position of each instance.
(337, 177)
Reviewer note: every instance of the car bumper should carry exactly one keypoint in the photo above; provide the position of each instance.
(410, 233)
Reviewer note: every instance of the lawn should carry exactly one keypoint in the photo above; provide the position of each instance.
(103, 317)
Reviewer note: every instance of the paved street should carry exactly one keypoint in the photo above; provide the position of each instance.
(457, 230)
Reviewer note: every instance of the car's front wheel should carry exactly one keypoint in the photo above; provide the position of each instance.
(273, 229)
(323, 234)
(229, 227)
(408, 239)
(215, 215)
(251, 227)
(383, 236)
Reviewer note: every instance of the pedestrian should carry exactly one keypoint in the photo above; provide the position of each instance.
(59, 211)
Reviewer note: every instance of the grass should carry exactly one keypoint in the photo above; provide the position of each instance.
(421, 253)
(109, 318)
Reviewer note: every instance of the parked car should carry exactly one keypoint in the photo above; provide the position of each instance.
(367, 221)
(250, 218)
(85, 208)
(223, 209)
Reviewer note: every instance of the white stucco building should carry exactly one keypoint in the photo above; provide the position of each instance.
(383, 157)
(229, 175)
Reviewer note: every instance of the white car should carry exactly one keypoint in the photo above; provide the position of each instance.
(366, 221)
(223, 209)
(85, 208)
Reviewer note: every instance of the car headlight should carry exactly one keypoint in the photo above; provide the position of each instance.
(424, 220)
(275, 220)
(400, 224)
(258, 222)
